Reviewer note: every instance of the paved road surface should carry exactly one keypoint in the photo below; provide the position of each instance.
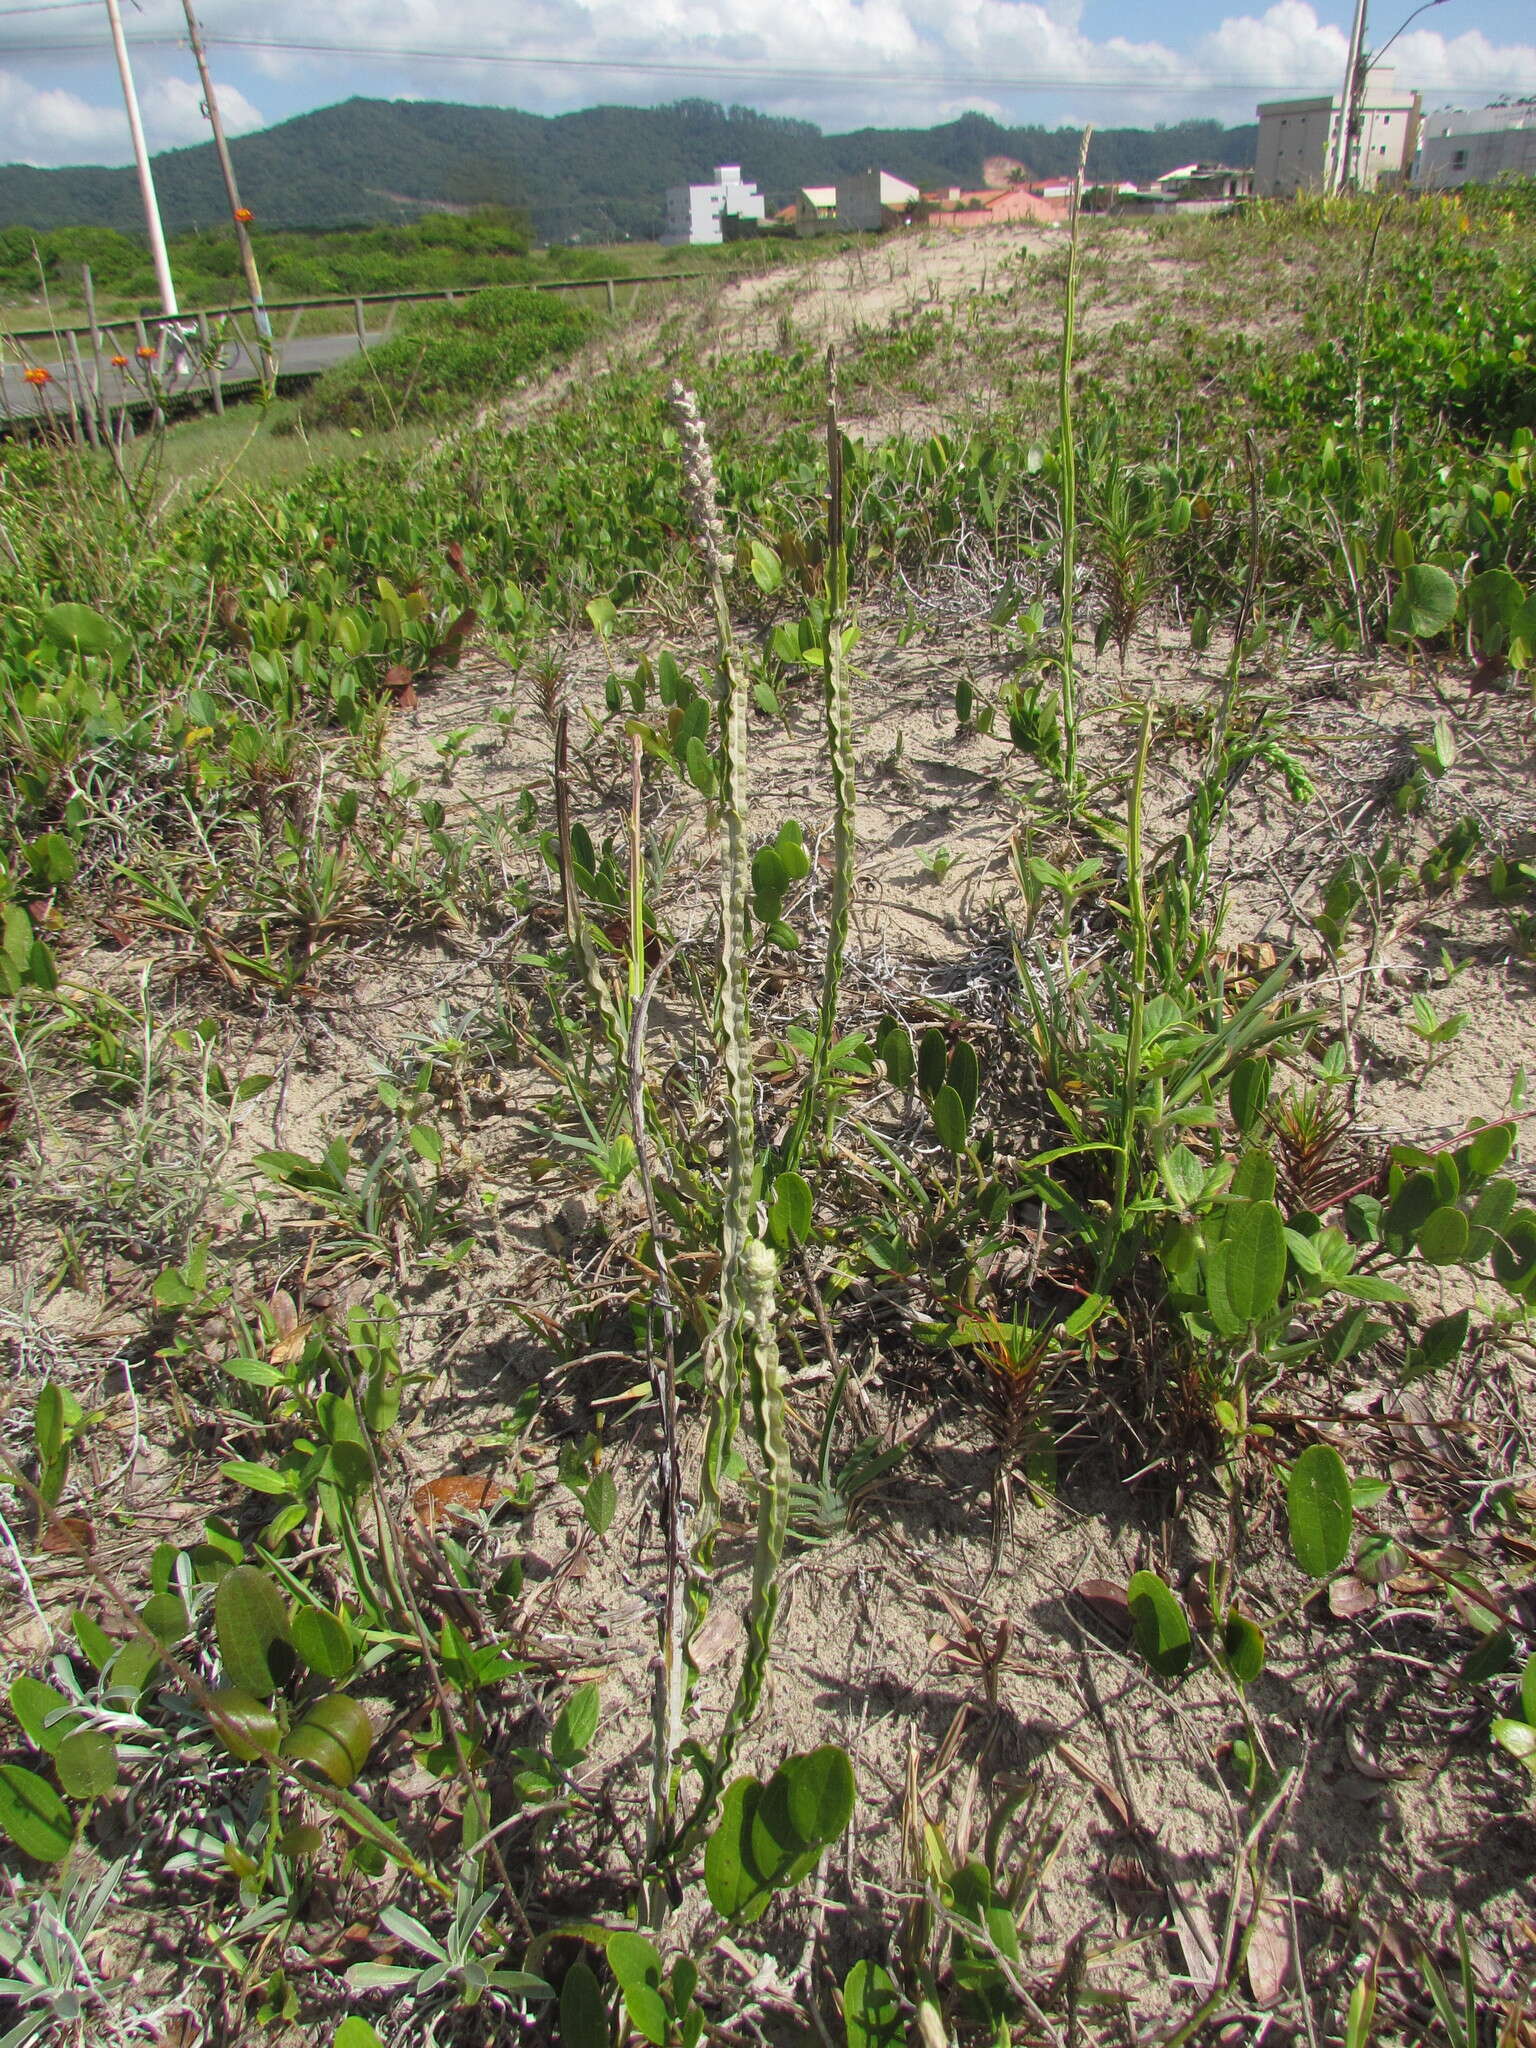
(300, 358)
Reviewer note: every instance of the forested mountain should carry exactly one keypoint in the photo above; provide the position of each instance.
(595, 175)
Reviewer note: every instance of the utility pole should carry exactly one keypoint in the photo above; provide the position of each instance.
(239, 214)
(1345, 137)
(157, 249)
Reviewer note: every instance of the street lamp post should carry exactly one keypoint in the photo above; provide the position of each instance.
(1362, 65)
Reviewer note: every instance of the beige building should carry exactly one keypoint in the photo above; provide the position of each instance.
(816, 210)
(1298, 140)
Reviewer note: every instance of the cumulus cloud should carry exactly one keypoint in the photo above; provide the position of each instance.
(43, 124)
(840, 62)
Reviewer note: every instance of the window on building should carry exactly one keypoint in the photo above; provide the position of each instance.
(1459, 160)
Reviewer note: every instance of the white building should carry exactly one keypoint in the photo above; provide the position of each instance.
(872, 200)
(697, 213)
(1298, 139)
(1478, 145)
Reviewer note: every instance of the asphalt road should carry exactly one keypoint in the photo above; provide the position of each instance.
(303, 357)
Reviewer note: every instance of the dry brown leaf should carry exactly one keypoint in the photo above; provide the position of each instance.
(1106, 1600)
(69, 1535)
(1349, 1597)
(1268, 1959)
(400, 680)
(1084, 1770)
(456, 1497)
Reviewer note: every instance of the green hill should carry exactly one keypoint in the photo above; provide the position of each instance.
(596, 175)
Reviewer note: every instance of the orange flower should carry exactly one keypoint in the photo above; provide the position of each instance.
(119, 362)
(39, 376)
(145, 353)
(243, 214)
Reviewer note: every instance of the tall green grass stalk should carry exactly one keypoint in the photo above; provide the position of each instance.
(838, 709)
(1067, 496)
(1131, 1081)
(745, 1325)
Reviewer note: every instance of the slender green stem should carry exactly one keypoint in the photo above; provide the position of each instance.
(838, 707)
(1136, 909)
(1067, 456)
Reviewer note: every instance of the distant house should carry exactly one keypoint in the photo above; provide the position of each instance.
(1299, 140)
(698, 213)
(1478, 145)
(1195, 182)
(872, 200)
(815, 210)
(955, 208)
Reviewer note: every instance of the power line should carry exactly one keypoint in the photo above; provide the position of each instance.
(719, 68)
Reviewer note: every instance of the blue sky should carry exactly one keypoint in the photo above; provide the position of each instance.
(841, 63)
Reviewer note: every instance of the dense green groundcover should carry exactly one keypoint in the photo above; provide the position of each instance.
(449, 359)
(1432, 472)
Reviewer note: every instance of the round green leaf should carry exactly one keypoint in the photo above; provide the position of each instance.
(637, 1970)
(1514, 1257)
(334, 1738)
(33, 1815)
(583, 2013)
(251, 1623)
(1442, 1238)
(244, 1724)
(1317, 1502)
(821, 1794)
(932, 1061)
(1519, 1739)
(872, 2008)
(735, 1888)
(1242, 1647)
(323, 1641)
(1248, 1092)
(789, 1215)
(894, 1046)
(32, 1702)
(86, 1762)
(1161, 1629)
(1488, 1150)
(1255, 1262)
(1528, 1690)
(81, 630)
(965, 1075)
(950, 1120)
(165, 1616)
(1424, 603)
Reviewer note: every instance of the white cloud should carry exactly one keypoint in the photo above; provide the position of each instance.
(844, 63)
(51, 125)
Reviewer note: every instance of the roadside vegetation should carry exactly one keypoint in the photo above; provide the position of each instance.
(762, 1171)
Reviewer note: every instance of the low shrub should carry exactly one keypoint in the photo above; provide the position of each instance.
(449, 359)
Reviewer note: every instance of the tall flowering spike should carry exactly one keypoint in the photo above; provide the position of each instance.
(699, 487)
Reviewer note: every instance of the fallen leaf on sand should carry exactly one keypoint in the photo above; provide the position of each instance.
(1269, 1953)
(455, 1497)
